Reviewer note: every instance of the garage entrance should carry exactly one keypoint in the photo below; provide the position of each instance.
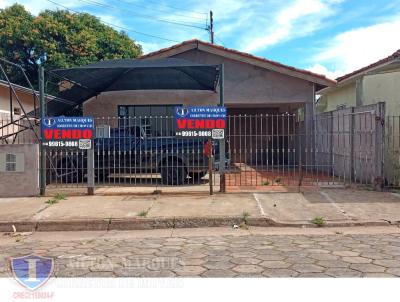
(271, 150)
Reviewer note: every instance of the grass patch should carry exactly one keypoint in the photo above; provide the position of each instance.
(143, 213)
(60, 196)
(265, 183)
(245, 217)
(56, 199)
(318, 221)
(52, 201)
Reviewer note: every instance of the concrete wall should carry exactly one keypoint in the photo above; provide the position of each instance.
(383, 88)
(245, 85)
(24, 183)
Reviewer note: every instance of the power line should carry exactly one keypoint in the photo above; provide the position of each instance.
(166, 11)
(117, 26)
(178, 8)
(142, 15)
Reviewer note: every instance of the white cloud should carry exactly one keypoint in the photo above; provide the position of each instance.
(358, 47)
(36, 6)
(321, 69)
(300, 18)
(111, 21)
(150, 47)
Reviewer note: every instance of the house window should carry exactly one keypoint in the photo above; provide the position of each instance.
(11, 162)
(155, 120)
(103, 131)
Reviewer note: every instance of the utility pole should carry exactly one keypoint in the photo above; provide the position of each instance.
(211, 27)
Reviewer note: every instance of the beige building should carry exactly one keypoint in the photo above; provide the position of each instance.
(378, 82)
(9, 105)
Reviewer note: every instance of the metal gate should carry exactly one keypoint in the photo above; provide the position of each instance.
(271, 151)
(139, 152)
(264, 150)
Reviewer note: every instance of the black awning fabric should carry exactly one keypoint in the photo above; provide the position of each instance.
(81, 83)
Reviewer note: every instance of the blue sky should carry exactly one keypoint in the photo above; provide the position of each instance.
(331, 37)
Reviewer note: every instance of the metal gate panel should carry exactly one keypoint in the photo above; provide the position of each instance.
(262, 150)
(137, 152)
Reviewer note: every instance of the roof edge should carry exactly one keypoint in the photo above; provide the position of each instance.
(195, 44)
(394, 56)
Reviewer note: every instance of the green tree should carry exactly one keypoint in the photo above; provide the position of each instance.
(69, 39)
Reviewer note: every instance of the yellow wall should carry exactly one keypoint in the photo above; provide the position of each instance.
(345, 95)
(383, 88)
(377, 88)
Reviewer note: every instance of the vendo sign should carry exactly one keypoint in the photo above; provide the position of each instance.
(67, 132)
(200, 121)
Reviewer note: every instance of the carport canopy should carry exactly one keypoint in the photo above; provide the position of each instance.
(78, 84)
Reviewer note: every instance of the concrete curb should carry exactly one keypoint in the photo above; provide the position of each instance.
(163, 223)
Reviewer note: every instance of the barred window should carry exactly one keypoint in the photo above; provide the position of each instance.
(11, 162)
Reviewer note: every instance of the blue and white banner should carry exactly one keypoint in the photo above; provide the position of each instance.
(70, 132)
(200, 122)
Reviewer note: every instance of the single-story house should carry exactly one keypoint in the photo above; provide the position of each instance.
(377, 82)
(252, 85)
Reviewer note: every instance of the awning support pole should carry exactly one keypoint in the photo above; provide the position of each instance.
(42, 160)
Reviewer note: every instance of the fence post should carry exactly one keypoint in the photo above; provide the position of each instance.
(379, 146)
(331, 167)
(222, 185)
(90, 171)
(42, 150)
(351, 132)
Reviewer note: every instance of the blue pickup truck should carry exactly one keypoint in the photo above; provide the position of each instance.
(129, 151)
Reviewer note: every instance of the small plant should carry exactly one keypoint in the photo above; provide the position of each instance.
(278, 180)
(265, 183)
(52, 201)
(60, 196)
(56, 199)
(318, 221)
(143, 213)
(245, 217)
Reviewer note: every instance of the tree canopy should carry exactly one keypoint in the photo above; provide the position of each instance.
(69, 39)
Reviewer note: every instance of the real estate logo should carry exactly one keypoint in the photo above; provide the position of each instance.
(32, 271)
